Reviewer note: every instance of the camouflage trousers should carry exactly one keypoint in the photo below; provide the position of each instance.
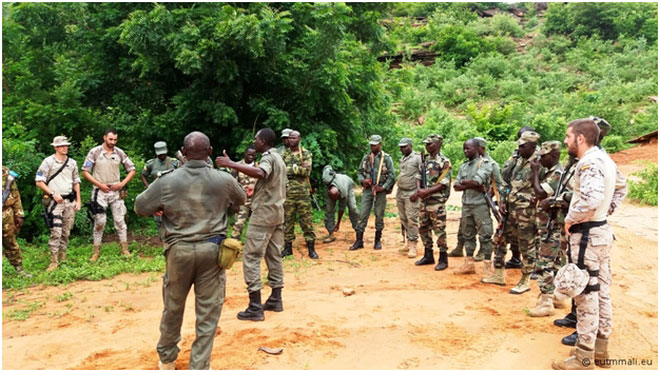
(594, 309)
(263, 242)
(63, 217)
(340, 205)
(378, 202)
(118, 209)
(475, 219)
(298, 206)
(433, 217)
(550, 256)
(241, 218)
(10, 246)
(521, 228)
(188, 264)
(408, 213)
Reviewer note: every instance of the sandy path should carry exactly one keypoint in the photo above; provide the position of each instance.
(401, 317)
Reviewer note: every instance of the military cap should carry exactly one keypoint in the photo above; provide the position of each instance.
(603, 125)
(286, 132)
(432, 138)
(548, 146)
(481, 141)
(160, 147)
(570, 281)
(405, 142)
(375, 139)
(60, 141)
(528, 136)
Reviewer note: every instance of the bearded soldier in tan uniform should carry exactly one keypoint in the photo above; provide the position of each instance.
(598, 189)
(58, 178)
(105, 160)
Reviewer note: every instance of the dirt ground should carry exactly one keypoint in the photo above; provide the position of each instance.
(400, 317)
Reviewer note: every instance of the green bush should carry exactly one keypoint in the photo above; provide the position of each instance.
(646, 190)
(506, 25)
(458, 44)
(614, 143)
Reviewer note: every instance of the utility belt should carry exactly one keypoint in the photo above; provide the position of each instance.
(584, 241)
(50, 205)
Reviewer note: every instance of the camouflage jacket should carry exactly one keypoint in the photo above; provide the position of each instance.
(369, 170)
(246, 181)
(549, 182)
(298, 168)
(13, 205)
(434, 167)
(522, 190)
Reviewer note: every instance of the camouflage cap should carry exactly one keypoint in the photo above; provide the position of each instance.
(432, 138)
(603, 125)
(405, 142)
(528, 136)
(548, 146)
(60, 141)
(286, 132)
(160, 147)
(570, 281)
(481, 141)
(375, 139)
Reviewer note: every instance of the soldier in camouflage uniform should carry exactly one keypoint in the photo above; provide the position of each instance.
(12, 221)
(549, 258)
(474, 177)
(522, 215)
(432, 213)
(285, 141)
(376, 175)
(340, 191)
(599, 188)
(409, 166)
(247, 183)
(298, 196)
(58, 177)
(105, 160)
(193, 201)
(161, 163)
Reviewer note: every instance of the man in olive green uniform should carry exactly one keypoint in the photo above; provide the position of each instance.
(105, 160)
(473, 179)
(264, 236)
(340, 191)
(409, 166)
(298, 196)
(247, 183)
(432, 213)
(522, 215)
(493, 189)
(161, 163)
(193, 201)
(58, 178)
(376, 175)
(12, 221)
(546, 173)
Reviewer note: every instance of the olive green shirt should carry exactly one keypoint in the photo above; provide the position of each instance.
(408, 171)
(478, 169)
(269, 192)
(194, 200)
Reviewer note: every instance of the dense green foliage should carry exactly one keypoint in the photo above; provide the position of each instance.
(645, 191)
(158, 71)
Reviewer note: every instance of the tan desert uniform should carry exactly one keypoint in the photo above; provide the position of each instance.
(64, 212)
(265, 233)
(106, 170)
(194, 225)
(246, 209)
(598, 189)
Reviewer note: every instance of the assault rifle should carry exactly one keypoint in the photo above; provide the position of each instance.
(492, 206)
(6, 191)
(563, 183)
(423, 183)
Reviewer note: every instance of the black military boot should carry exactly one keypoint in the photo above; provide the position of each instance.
(274, 301)
(427, 259)
(570, 340)
(288, 249)
(513, 263)
(255, 310)
(442, 261)
(377, 245)
(310, 249)
(359, 243)
(570, 320)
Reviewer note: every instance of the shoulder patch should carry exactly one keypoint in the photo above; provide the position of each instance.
(585, 167)
(88, 163)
